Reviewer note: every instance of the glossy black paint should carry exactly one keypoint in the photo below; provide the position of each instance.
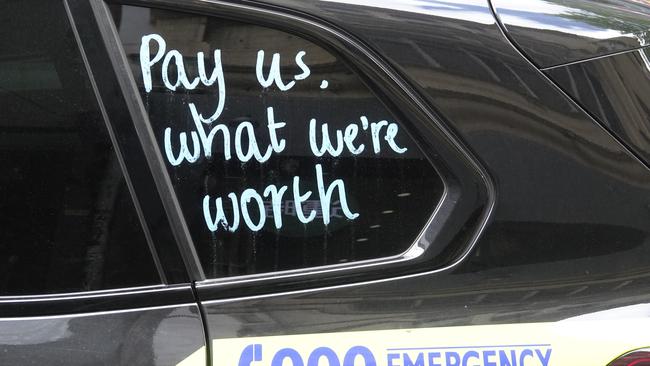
(161, 336)
(616, 90)
(569, 234)
(113, 300)
(553, 32)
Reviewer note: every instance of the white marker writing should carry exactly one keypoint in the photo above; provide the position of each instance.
(274, 72)
(276, 202)
(391, 133)
(347, 138)
(364, 122)
(253, 149)
(273, 126)
(220, 216)
(324, 204)
(350, 134)
(375, 128)
(184, 152)
(326, 196)
(244, 132)
(245, 199)
(217, 74)
(299, 199)
(301, 64)
(181, 77)
(208, 139)
(146, 63)
(275, 75)
(326, 143)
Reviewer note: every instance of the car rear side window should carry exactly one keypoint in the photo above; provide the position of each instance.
(281, 156)
(67, 221)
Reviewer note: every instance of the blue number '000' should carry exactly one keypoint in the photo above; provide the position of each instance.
(253, 353)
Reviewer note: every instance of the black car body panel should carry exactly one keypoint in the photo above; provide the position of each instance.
(541, 237)
(613, 90)
(131, 337)
(553, 33)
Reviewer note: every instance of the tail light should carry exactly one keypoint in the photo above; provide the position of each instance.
(639, 357)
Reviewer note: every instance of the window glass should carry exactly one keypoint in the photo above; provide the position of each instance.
(67, 222)
(281, 157)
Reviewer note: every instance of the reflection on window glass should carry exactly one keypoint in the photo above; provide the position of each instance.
(281, 157)
(67, 220)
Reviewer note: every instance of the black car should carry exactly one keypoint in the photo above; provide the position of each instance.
(325, 182)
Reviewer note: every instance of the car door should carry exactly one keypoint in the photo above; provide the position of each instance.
(383, 183)
(81, 281)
